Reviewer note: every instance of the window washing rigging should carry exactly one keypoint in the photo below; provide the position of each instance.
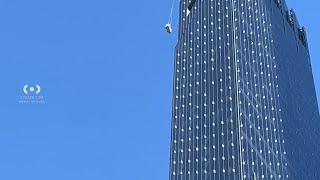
(168, 26)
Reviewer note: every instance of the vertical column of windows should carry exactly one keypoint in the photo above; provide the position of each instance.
(230, 110)
(177, 115)
(218, 114)
(236, 64)
(210, 68)
(194, 97)
(191, 113)
(222, 158)
(206, 92)
(240, 11)
(214, 41)
(198, 96)
(181, 106)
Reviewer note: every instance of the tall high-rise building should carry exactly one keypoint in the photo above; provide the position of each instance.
(244, 104)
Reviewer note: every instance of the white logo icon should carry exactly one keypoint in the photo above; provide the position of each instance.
(32, 89)
(31, 95)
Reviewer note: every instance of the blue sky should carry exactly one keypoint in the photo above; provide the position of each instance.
(105, 69)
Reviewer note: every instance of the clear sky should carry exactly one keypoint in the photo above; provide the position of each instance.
(105, 69)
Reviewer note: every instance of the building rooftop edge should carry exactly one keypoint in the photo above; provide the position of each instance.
(292, 19)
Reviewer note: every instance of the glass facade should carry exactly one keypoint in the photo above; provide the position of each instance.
(244, 104)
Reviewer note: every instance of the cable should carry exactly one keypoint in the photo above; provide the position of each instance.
(171, 12)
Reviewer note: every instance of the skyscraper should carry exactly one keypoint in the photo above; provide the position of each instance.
(244, 104)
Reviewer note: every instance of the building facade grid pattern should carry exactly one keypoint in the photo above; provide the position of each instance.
(227, 119)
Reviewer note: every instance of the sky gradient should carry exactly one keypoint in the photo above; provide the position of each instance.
(106, 73)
